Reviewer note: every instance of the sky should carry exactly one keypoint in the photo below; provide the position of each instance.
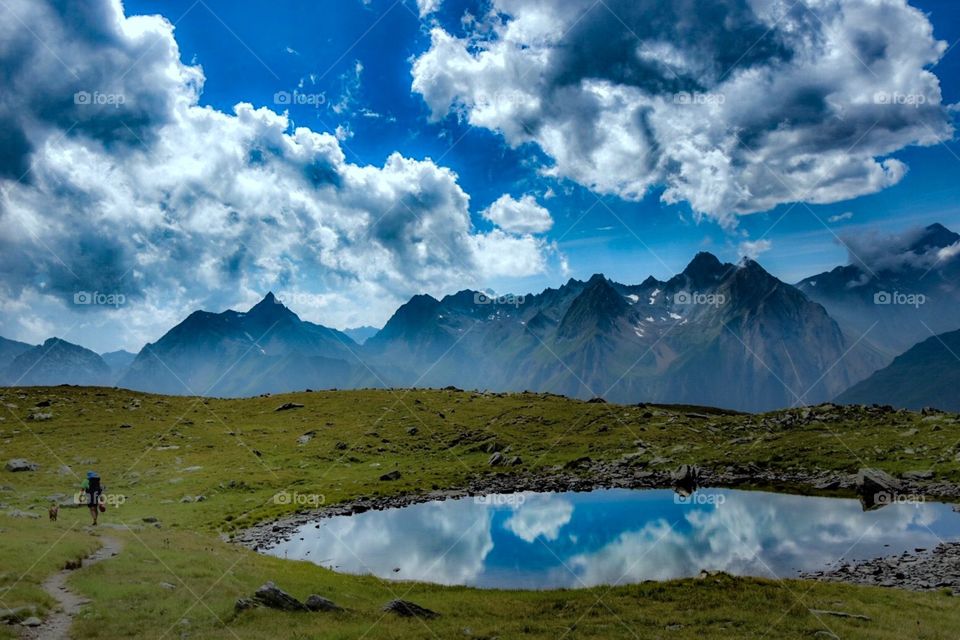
(347, 154)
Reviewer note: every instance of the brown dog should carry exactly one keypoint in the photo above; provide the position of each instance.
(54, 511)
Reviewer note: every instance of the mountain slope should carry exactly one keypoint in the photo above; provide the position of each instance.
(56, 362)
(10, 349)
(267, 349)
(926, 375)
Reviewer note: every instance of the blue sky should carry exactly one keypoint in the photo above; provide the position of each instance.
(437, 145)
(248, 54)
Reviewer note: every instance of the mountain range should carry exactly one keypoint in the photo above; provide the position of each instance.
(719, 334)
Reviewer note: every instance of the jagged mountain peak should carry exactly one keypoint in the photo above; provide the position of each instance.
(270, 308)
(596, 308)
(934, 236)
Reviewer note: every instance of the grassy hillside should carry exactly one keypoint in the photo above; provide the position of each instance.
(238, 454)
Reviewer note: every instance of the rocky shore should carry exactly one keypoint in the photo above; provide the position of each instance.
(921, 570)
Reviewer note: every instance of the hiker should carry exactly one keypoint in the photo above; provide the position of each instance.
(92, 487)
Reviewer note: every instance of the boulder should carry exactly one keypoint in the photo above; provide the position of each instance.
(32, 621)
(17, 465)
(406, 609)
(686, 479)
(392, 475)
(319, 603)
(17, 614)
(876, 488)
(271, 596)
(918, 475)
(286, 406)
(496, 459)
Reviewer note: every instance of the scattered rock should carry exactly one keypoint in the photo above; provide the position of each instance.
(408, 609)
(40, 416)
(319, 603)
(838, 614)
(17, 614)
(393, 475)
(32, 621)
(17, 465)
(918, 475)
(596, 400)
(168, 586)
(515, 461)
(412, 431)
(286, 406)
(17, 513)
(271, 596)
(151, 519)
(305, 438)
(496, 459)
(126, 426)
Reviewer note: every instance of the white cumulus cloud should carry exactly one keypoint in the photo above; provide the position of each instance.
(519, 216)
(734, 106)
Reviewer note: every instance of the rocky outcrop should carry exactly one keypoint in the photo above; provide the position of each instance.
(271, 596)
(319, 603)
(406, 609)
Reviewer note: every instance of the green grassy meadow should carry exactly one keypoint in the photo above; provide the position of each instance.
(239, 454)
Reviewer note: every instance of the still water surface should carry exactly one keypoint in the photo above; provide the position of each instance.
(614, 536)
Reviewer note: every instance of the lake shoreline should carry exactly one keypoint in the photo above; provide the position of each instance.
(593, 475)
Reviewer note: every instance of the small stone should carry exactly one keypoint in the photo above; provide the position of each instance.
(32, 621)
(393, 475)
(167, 585)
(17, 465)
(242, 604)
